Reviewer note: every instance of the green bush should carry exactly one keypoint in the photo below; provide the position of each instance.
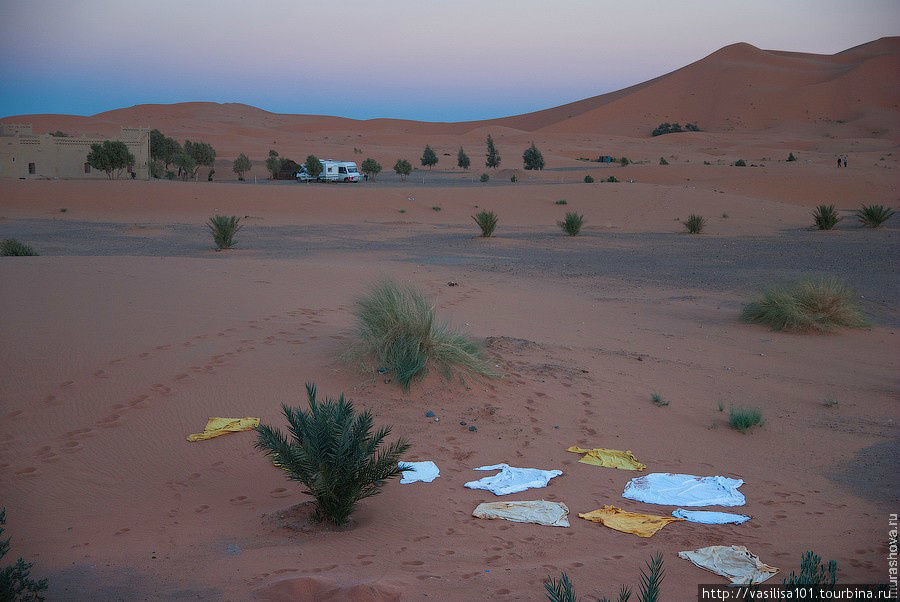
(314, 167)
(791, 157)
(429, 158)
(492, 157)
(588, 179)
(14, 248)
(624, 161)
(487, 221)
(825, 217)
(743, 419)
(15, 580)
(403, 168)
(650, 590)
(514, 178)
(532, 158)
(223, 228)
(157, 169)
(241, 165)
(397, 330)
(812, 573)
(572, 223)
(694, 223)
(113, 157)
(657, 399)
(872, 216)
(462, 159)
(673, 128)
(662, 161)
(819, 304)
(333, 453)
(612, 179)
(561, 202)
(371, 167)
(484, 177)
(740, 163)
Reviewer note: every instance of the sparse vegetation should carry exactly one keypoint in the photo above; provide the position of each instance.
(624, 161)
(818, 304)
(403, 168)
(657, 399)
(694, 224)
(487, 221)
(429, 158)
(650, 590)
(740, 163)
(872, 216)
(396, 328)
(588, 179)
(223, 228)
(436, 208)
(532, 158)
(462, 159)
(492, 158)
(314, 167)
(831, 403)
(273, 163)
(662, 161)
(743, 419)
(11, 247)
(572, 223)
(112, 156)
(484, 178)
(825, 217)
(612, 179)
(334, 453)
(561, 202)
(721, 406)
(673, 128)
(791, 157)
(514, 178)
(371, 167)
(15, 579)
(813, 573)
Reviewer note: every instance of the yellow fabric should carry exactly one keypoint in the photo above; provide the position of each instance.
(223, 426)
(611, 458)
(642, 525)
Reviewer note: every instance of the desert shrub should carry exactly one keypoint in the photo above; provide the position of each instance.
(650, 589)
(825, 217)
(740, 163)
(241, 165)
(662, 161)
(273, 163)
(487, 221)
(831, 403)
(694, 223)
(514, 178)
(817, 304)
(462, 159)
(624, 161)
(436, 208)
(371, 167)
(707, 163)
(532, 158)
(692, 127)
(572, 223)
(11, 247)
(314, 167)
(813, 573)
(872, 216)
(588, 179)
(657, 399)
(15, 580)
(612, 179)
(334, 453)
(396, 329)
(743, 419)
(484, 177)
(403, 168)
(429, 158)
(561, 202)
(666, 128)
(791, 157)
(223, 228)
(492, 157)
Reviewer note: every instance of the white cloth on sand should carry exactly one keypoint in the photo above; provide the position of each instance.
(670, 489)
(542, 512)
(710, 518)
(735, 562)
(418, 471)
(512, 480)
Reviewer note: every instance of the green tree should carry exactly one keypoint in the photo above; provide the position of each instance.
(371, 167)
(314, 167)
(462, 159)
(241, 165)
(111, 156)
(202, 153)
(15, 580)
(493, 157)
(403, 168)
(532, 158)
(429, 159)
(186, 165)
(273, 163)
(163, 148)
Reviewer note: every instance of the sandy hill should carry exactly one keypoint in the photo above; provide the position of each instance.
(739, 87)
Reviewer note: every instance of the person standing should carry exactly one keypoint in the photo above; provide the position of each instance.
(839, 161)
(845, 160)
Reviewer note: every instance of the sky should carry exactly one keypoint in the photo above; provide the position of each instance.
(432, 60)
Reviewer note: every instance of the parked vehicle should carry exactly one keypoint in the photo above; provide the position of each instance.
(339, 171)
(303, 175)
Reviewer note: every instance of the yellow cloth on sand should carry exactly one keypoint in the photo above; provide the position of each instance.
(222, 426)
(611, 458)
(642, 525)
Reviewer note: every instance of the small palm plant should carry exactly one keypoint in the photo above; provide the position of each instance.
(333, 452)
(572, 223)
(14, 248)
(562, 590)
(223, 228)
(872, 216)
(694, 223)
(825, 217)
(487, 221)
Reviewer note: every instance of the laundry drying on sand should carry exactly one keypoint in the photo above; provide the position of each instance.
(670, 489)
(710, 518)
(512, 480)
(414, 472)
(637, 523)
(541, 512)
(736, 563)
(222, 426)
(610, 458)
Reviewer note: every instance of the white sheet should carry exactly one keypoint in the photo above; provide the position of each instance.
(512, 480)
(413, 472)
(737, 563)
(710, 518)
(541, 512)
(668, 489)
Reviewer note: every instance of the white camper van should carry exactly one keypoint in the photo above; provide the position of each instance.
(339, 171)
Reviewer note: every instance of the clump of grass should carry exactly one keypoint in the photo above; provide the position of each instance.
(740, 163)
(396, 329)
(650, 590)
(487, 221)
(657, 399)
(662, 161)
(561, 202)
(223, 228)
(721, 406)
(872, 216)
(831, 403)
(809, 305)
(333, 452)
(436, 208)
(588, 179)
(14, 248)
(825, 217)
(743, 419)
(612, 179)
(514, 178)
(572, 223)
(484, 177)
(812, 573)
(694, 223)
(791, 157)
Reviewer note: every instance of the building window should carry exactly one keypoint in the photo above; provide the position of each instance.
(87, 168)
(31, 168)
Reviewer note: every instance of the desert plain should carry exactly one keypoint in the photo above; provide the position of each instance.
(130, 329)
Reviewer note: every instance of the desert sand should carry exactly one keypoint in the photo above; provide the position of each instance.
(129, 330)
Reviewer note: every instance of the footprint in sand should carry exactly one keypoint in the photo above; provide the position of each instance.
(239, 500)
(50, 399)
(123, 531)
(66, 384)
(201, 509)
(161, 389)
(13, 414)
(182, 376)
(28, 471)
(100, 374)
(279, 492)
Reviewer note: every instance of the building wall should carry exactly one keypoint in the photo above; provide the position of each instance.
(25, 155)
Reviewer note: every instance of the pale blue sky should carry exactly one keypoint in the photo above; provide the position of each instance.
(430, 60)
